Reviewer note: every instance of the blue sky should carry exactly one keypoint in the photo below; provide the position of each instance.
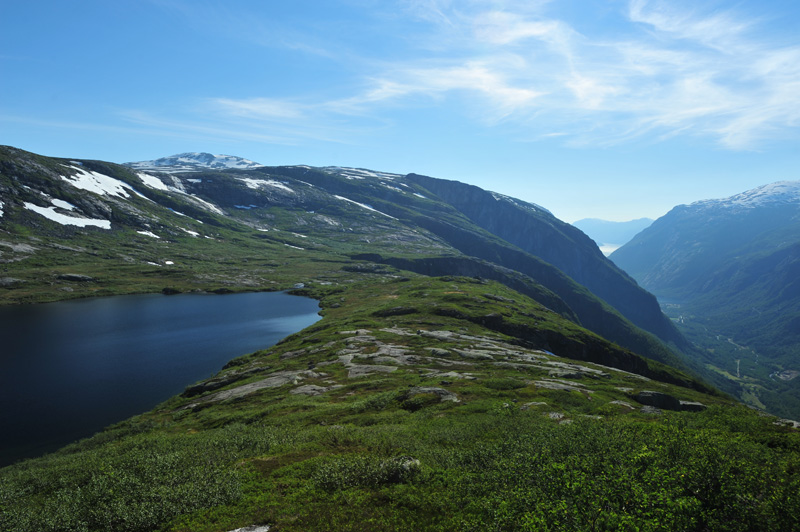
(614, 109)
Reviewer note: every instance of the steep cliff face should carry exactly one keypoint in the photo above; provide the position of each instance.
(539, 233)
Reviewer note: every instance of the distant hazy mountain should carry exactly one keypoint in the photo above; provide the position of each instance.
(731, 267)
(183, 162)
(682, 253)
(610, 236)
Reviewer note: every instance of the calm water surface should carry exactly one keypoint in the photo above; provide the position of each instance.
(68, 369)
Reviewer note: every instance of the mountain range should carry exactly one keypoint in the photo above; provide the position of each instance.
(479, 363)
(432, 225)
(728, 271)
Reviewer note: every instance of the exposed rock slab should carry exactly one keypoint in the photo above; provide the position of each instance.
(313, 389)
(444, 395)
(356, 371)
(277, 379)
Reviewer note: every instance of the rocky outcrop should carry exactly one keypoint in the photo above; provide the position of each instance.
(664, 401)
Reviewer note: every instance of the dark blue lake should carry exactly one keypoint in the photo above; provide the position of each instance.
(68, 369)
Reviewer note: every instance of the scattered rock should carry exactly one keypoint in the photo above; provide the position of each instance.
(650, 410)
(692, 406)
(220, 381)
(313, 389)
(75, 277)
(450, 375)
(292, 354)
(658, 399)
(362, 371)
(279, 378)
(8, 281)
(357, 332)
(19, 248)
(475, 354)
(564, 369)
(565, 374)
(567, 386)
(398, 331)
(438, 335)
(444, 395)
(623, 403)
(788, 423)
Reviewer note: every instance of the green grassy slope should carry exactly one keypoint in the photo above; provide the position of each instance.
(404, 409)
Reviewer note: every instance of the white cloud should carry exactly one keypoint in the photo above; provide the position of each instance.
(668, 68)
(722, 30)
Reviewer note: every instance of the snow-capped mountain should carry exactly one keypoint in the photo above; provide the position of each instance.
(731, 267)
(781, 192)
(192, 161)
(682, 253)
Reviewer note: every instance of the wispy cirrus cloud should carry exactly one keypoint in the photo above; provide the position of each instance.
(666, 69)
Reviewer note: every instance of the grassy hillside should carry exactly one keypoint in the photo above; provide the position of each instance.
(406, 409)
(444, 388)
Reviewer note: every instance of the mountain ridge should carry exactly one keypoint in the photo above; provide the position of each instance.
(730, 267)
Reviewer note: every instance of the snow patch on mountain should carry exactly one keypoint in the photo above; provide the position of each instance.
(195, 161)
(1, 208)
(152, 181)
(364, 206)
(521, 204)
(97, 183)
(63, 204)
(781, 192)
(261, 183)
(360, 173)
(51, 214)
(206, 205)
